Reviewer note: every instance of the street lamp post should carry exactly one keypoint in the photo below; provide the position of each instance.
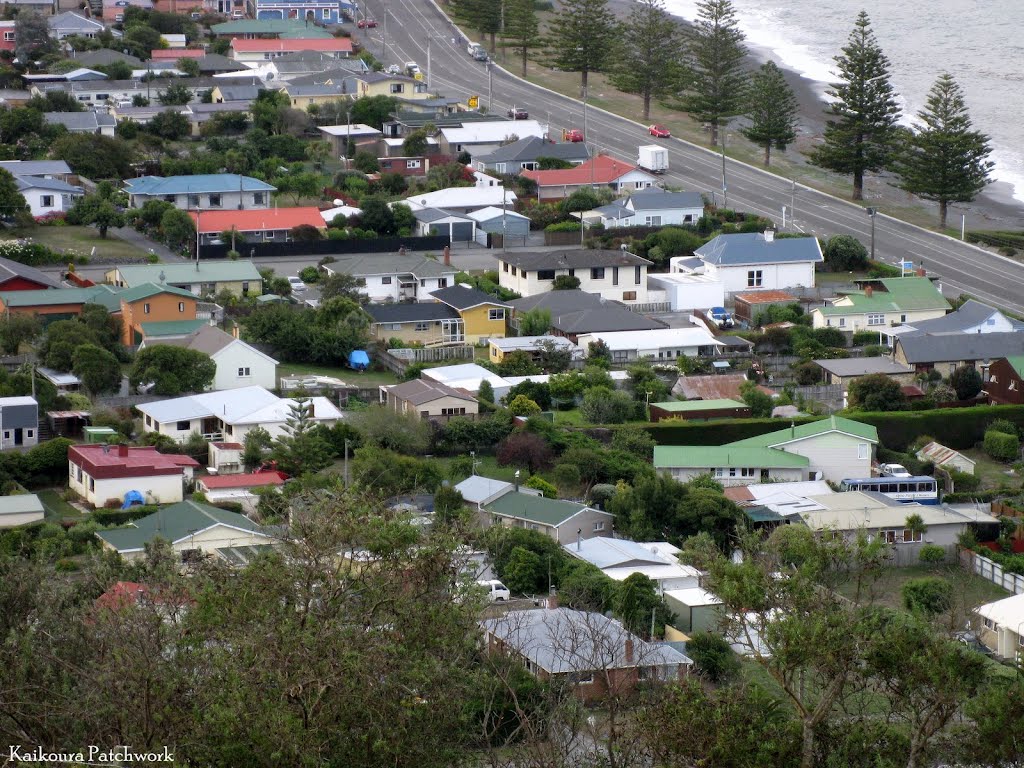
(725, 188)
(871, 212)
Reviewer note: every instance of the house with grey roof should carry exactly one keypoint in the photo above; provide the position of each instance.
(429, 399)
(48, 169)
(99, 123)
(70, 24)
(577, 313)
(458, 228)
(845, 370)
(19, 422)
(427, 323)
(593, 654)
(15, 276)
(212, 191)
(238, 364)
(103, 56)
(945, 352)
(526, 153)
(760, 261)
(611, 274)
(293, 66)
(970, 317)
(21, 509)
(47, 196)
(651, 207)
(394, 276)
(215, 64)
(500, 221)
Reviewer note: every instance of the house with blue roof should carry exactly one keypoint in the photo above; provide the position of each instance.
(212, 191)
(760, 261)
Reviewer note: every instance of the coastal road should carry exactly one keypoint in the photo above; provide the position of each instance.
(412, 25)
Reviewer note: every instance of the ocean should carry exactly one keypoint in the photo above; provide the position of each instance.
(977, 42)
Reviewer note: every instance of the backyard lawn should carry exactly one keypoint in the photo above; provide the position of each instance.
(993, 474)
(56, 508)
(487, 466)
(81, 240)
(362, 379)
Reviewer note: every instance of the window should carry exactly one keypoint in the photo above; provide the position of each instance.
(245, 288)
(718, 472)
(496, 314)
(747, 472)
(636, 275)
(46, 201)
(862, 451)
(842, 322)
(92, 484)
(269, 235)
(181, 306)
(421, 327)
(442, 282)
(652, 221)
(514, 272)
(215, 201)
(385, 280)
(597, 273)
(183, 426)
(581, 678)
(989, 624)
(413, 163)
(453, 411)
(528, 166)
(755, 278)
(629, 295)
(7, 435)
(423, 283)
(326, 13)
(545, 274)
(499, 168)
(145, 308)
(903, 318)
(572, 273)
(393, 327)
(398, 87)
(615, 275)
(504, 266)
(243, 372)
(259, 198)
(876, 318)
(599, 526)
(149, 421)
(30, 433)
(193, 201)
(889, 537)
(912, 537)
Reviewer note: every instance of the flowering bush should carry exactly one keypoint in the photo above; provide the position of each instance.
(24, 251)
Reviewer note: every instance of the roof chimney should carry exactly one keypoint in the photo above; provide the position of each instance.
(921, 271)
(869, 291)
(106, 447)
(552, 601)
(310, 409)
(447, 256)
(122, 450)
(401, 250)
(629, 651)
(769, 235)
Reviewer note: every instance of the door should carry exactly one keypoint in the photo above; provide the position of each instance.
(19, 438)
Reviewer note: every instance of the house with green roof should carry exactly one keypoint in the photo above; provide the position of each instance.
(58, 303)
(207, 278)
(830, 449)
(564, 521)
(883, 303)
(194, 530)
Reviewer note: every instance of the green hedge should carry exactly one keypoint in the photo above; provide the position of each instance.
(715, 432)
(122, 516)
(1001, 446)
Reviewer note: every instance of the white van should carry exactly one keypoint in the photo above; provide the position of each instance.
(496, 591)
(477, 51)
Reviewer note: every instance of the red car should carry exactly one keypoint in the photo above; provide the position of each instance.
(367, 23)
(660, 132)
(572, 134)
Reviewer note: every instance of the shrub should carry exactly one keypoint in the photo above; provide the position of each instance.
(807, 373)
(931, 554)
(713, 656)
(860, 338)
(844, 253)
(966, 381)
(1001, 446)
(540, 484)
(1003, 425)
(930, 595)
(963, 482)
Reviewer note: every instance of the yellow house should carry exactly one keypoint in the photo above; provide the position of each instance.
(482, 315)
(383, 84)
(457, 315)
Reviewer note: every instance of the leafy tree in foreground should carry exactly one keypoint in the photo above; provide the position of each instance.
(876, 392)
(653, 42)
(583, 39)
(12, 202)
(98, 369)
(966, 381)
(717, 90)
(255, 443)
(860, 134)
(773, 110)
(173, 370)
(944, 159)
(17, 329)
(844, 253)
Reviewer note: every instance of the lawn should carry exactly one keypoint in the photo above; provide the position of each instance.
(487, 466)
(56, 508)
(361, 379)
(81, 240)
(993, 474)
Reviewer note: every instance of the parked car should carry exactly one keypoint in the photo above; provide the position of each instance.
(894, 470)
(496, 591)
(367, 24)
(660, 132)
(518, 113)
(720, 317)
(296, 283)
(573, 135)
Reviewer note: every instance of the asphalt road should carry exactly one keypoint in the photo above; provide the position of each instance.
(412, 25)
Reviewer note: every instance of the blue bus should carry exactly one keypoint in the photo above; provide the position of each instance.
(922, 490)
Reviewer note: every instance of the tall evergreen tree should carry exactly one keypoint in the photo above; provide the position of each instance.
(583, 38)
(944, 159)
(772, 110)
(860, 137)
(301, 449)
(483, 15)
(521, 27)
(717, 90)
(654, 44)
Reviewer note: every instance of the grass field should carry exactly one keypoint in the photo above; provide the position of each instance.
(993, 474)
(487, 466)
(56, 508)
(81, 240)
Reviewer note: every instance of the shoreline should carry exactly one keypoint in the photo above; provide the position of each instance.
(994, 208)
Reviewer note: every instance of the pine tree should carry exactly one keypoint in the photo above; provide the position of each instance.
(861, 136)
(583, 38)
(655, 44)
(717, 90)
(482, 15)
(521, 27)
(300, 450)
(944, 159)
(772, 110)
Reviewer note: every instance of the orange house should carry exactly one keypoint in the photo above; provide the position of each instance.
(58, 303)
(148, 304)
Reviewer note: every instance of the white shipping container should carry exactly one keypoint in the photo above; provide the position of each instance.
(652, 158)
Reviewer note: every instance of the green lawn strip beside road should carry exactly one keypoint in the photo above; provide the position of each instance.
(56, 509)
(81, 240)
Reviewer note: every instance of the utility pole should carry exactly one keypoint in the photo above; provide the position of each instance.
(489, 89)
(871, 212)
(384, 34)
(725, 188)
(585, 134)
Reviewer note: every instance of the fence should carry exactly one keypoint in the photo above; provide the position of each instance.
(433, 354)
(327, 247)
(650, 306)
(992, 571)
(562, 238)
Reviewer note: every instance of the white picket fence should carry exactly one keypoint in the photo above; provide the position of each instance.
(987, 569)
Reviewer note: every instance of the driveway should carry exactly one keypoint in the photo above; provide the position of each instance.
(136, 238)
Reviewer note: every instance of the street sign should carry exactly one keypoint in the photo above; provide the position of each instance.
(473, 101)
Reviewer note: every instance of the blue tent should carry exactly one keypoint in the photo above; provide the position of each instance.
(133, 497)
(358, 360)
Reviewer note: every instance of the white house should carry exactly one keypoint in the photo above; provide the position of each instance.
(658, 344)
(230, 414)
(651, 207)
(760, 261)
(617, 275)
(212, 191)
(46, 196)
(103, 474)
(394, 277)
(621, 558)
(485, 136)
(463, 199)
(238, 363)
(1002, 627)
(687, 291)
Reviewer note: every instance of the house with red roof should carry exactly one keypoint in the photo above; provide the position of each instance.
(263, 49)
(244, 489)
(265, 225)
(600, 171)
(104, 474)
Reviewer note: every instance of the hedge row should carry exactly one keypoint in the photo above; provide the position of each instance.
(957, 428)
(122, 516)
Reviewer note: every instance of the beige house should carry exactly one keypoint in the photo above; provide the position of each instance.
(1002, 627)
(205, 278)
(194, 530)
(882, 304)
(563, 521)
(428, 399)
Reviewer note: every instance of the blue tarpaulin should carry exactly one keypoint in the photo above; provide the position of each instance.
(133, 497)
(358, 360)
